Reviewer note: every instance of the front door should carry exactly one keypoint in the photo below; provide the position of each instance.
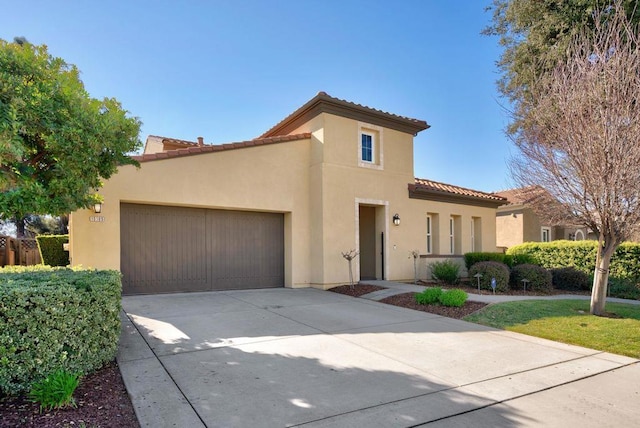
(367, 242)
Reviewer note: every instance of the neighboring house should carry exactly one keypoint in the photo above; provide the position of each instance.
(522, 221)
(280, 209)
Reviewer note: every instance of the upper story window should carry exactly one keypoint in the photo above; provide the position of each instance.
(367, 148)
(370, 141)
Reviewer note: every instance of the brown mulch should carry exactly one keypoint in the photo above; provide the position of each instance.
(101, 398)
(357, 290)
(408, 300)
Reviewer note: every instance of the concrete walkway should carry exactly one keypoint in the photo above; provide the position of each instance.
(311, 358)
(393, 288)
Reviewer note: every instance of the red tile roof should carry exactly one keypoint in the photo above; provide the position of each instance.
(525, 195)
(442, 192)
(324, 103)
(435, 186)
(166, 140)
(194, 150)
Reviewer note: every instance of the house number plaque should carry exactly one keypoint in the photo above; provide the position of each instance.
(96, 219)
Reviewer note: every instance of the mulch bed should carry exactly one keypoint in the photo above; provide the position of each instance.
(357, 290)
(408, 300)
(101, 398)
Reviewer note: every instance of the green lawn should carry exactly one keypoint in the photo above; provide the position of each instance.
(568, 321)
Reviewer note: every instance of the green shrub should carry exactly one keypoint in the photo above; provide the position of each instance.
(490, 270)
(582, 256)
(508, 259)
(55, 391)
(624, 289)
(446, 271)
(51, 249)
(429, 296)
(56, 318)
(454, 298)
(539, 278)
(570, 278)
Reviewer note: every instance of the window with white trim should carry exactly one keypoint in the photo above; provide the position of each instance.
(367, 148)
(546, 234)
(429, 235)
(473, 235)
(452, 236)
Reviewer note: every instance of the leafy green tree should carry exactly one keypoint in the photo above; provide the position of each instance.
(57, 143)
(535, 36)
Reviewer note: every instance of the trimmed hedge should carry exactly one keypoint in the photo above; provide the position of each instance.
(51, 250)
(581, 255)
(508, 259)
(499, 271)
(570, 278)
(539, 278)
(56, 318)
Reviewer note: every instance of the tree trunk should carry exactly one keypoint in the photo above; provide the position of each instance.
(601, 277)
(21, 227)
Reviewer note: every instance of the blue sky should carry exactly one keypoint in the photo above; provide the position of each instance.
(229, 70)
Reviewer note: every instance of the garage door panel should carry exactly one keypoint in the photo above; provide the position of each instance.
(239, 242)
(172, 249)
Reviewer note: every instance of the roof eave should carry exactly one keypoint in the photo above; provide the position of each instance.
(415, 192)
(323, 103)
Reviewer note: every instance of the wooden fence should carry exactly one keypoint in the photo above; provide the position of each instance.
(18, 252)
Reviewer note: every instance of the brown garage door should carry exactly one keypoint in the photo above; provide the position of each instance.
(173, 249)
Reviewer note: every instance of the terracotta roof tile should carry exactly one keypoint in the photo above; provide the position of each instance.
(189, 151)
(435, 186)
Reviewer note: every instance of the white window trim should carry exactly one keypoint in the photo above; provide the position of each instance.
(473, 234)
(377, 145)
(429, 234)
(452, 235)
(575, 238)
(542, 231)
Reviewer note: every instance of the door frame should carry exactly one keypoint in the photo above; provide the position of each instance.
(382, 225)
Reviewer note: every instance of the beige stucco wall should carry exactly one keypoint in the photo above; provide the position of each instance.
(509, 227)
(265, 178)
(318, 183)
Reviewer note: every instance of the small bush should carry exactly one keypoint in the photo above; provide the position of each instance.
(490, 270)
(570, 278)
(446, 271)
(539, 278)
(56, 318)
(429, 296)
(56, 391)
(51, 249)
(456, 298)
(623, 289)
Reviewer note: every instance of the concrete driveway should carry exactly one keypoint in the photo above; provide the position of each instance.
(311, 358)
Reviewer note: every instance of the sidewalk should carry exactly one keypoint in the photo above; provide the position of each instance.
(392, 288)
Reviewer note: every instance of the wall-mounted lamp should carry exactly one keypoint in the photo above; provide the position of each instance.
(97, 208)
(396, 219)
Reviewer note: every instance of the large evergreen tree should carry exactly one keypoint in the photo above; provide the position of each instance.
(56, 142)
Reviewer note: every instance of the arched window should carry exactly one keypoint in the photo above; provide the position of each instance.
(579, 235)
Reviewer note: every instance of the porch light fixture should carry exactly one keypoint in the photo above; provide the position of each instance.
(396, 219)
(97, 208)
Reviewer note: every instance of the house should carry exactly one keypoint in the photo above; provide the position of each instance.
(524, 219)
(280, 210)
